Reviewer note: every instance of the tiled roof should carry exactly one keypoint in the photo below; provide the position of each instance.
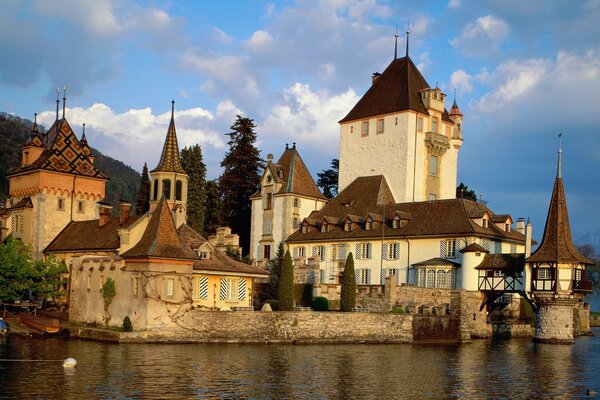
(437, 261)
(160, 239)
(296, 178)
(474, 248)
(557, 244)
(169, 158)
(89, 236)
(63, 153)
(397, 89)
(220, 262)
(502, 261)
(428, 218)
(189, 237)
(35, 138)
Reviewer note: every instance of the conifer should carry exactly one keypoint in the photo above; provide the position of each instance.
(191, 161)
(241, 177)
(143, 198)
(212, 211)
(285, 290)
(328, 179)
(348, 295)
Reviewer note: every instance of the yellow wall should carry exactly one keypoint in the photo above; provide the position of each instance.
(211, 297)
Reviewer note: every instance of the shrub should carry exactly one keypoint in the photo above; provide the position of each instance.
(348, 295)
(397, 310)
(127, 327)
(320, 304)
(285, 289)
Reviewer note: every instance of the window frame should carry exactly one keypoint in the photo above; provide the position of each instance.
(380, 126)
(364, 128)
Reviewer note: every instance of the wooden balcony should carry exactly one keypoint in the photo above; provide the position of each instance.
(582, 286)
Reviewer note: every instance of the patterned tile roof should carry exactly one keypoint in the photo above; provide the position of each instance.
(428, 218)
(557, 244)
(396, 89)
(160, 239)
(63, 153)
(169, 159)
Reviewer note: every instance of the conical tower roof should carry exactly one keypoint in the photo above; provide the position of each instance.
(35, 138)
(557, 245)
(169, 159)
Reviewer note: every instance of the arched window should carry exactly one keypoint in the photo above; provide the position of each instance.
(452, 279)
(178, 190)
(431, 278)
(167, 188)
(441, 279)
(421, 280)
(155, 195)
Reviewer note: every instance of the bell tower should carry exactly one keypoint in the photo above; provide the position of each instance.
(169, 179)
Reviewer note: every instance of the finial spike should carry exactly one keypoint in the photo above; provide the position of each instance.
(173, 109)
(84, 129)
(559, 170)
(64, 99)
(35, 118)
(293, 145)
(57, 101)
(407, 37)
(396, 44)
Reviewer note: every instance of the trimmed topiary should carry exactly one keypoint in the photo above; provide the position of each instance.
(348, 295)
(320, 304)
(285, 289)
(127, 327)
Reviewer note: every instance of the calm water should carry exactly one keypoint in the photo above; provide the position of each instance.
(516, 369)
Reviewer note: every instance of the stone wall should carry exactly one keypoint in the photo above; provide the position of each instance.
(554, 318)
(405, 294)
(465, 308)
(582, 325)
(441, 328)
(286, 327)
(507, 331)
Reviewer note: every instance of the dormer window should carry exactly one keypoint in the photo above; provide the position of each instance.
(324, 227)
(507, 227)
(369, 225)
(485, 223)
(396, 223)
(203, 255)
(348, 226)
(304, 228)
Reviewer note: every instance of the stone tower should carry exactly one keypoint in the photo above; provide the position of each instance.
(401, 129)
(555, 277)
(169, 179)
(55, 184)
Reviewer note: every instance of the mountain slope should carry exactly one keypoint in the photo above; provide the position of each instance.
(14, 131)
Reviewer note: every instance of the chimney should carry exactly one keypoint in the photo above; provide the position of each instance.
(124, 211)
(521, 226)
(374, 77)
(104, 210)
(528, 234)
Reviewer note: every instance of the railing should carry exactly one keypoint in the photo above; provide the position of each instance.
(582, 285)
(500, 283)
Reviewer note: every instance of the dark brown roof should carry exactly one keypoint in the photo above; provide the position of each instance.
(296, 178)
(474, 248)
(169, 159)
(397, 89)
(89, 236)
(437, 261)
(557, 244)
(63, 153)
(502, 261)
(428, 218)
(160, 239)
(220, 262)
(189, 237)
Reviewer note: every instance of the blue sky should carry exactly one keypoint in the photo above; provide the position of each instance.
(523, 71)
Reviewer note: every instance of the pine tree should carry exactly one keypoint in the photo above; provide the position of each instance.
(348, 295)
(212, 211)
(328, 179)
(285, 290)
(240, 178)
(191, 161)
(463, 192)
(143, 198)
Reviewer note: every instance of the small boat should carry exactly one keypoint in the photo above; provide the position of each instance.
(44, 324)
(3, 327)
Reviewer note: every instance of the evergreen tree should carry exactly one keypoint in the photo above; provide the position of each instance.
(348, 295)
(212, 211)
(275, 267)
(463, 192)
(240, 178)
(191, 161)
(143, 198)
(285, 289)
(328, 179)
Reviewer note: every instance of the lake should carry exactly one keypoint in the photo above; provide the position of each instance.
(516, 369)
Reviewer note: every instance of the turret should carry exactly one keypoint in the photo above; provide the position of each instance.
(33, 147)
(472, 256)
(456, 116)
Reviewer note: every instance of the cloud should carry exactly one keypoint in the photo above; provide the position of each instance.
(259, 41)
(482, 36)
(453, 4)
(137, 135)
(461, 80)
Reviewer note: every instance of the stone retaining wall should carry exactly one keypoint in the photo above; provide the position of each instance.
(507, 331)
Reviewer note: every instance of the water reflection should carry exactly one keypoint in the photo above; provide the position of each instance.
(515, 369)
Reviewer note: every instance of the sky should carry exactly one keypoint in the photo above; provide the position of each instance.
(523, 72)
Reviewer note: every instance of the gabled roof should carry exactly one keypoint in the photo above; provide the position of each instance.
(63, 153)
(557, 244)
(189, 237)
(295, 176)
(474, 248)
(169, 158)
(437, 261)
(160, 239)
(397, 89)
(89, 236)
(35, 138)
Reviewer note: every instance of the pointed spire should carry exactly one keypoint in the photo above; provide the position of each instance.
(454, 110)
(64, 99)
(169, 159)
(57, 102)
(35, 125)
(396, 44)
(407, 37)
(559, 169)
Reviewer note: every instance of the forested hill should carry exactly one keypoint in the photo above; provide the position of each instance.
(14, 131)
